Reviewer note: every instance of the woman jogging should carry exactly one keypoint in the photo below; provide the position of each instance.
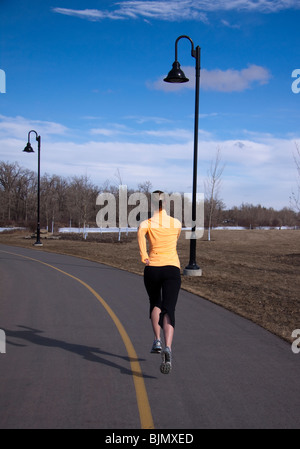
(161, 274)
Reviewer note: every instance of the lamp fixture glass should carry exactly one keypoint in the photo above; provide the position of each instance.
(176, 75)
(28, 148)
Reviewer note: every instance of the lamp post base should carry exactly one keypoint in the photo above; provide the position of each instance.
(37, 244)
(192, 271)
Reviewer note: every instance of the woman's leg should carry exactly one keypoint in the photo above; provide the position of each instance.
(153, 287)
(170, 290)
(168, 331)
(154, 320)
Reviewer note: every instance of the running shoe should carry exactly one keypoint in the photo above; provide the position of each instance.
(156, 347)
(166, 364)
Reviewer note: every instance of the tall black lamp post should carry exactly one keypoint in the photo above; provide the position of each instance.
(29, 149)
(176, 75)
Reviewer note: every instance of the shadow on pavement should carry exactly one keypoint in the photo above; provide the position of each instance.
(90, 353)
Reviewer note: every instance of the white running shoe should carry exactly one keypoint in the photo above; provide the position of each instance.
(156, 347)
(166, 364)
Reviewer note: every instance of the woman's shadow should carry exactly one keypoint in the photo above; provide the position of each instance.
(90, 353)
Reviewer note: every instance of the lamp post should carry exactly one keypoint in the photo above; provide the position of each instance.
(176, 75)
(29, 149)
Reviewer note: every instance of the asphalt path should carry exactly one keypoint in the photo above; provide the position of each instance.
(78, 342)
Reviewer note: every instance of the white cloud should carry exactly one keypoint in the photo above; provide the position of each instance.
(229, 80)
(103, 131)
(144, 119)
(172, 10)
(89, 14)
(172, 133)
(259, 168)
(113, 129)
(264, 6)
(234, 80)
(177, 10)
(229, 25)
(20, 126)
(177, 133)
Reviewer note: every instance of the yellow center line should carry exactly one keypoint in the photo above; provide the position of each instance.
(139, 384)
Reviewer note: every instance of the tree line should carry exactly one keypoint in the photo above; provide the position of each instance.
(72, 202)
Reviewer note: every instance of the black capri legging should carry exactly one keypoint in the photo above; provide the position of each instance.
(163, 285)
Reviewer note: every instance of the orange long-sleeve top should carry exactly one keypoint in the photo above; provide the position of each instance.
(162, 233)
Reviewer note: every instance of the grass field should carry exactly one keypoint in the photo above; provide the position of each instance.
(253, 273)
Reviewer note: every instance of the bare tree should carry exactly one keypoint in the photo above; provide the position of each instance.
(25, 195)
(145, 187)
(9, 174)
(75, 198)
(295, 197)
(81, 200)
(212, 188)
(53, 195)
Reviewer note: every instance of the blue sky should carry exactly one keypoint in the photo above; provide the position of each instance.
(88, 77)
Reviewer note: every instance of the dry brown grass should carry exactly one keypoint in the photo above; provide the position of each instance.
(255, 274)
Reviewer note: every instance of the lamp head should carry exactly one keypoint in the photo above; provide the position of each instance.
(28, 148)
(176, 75)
